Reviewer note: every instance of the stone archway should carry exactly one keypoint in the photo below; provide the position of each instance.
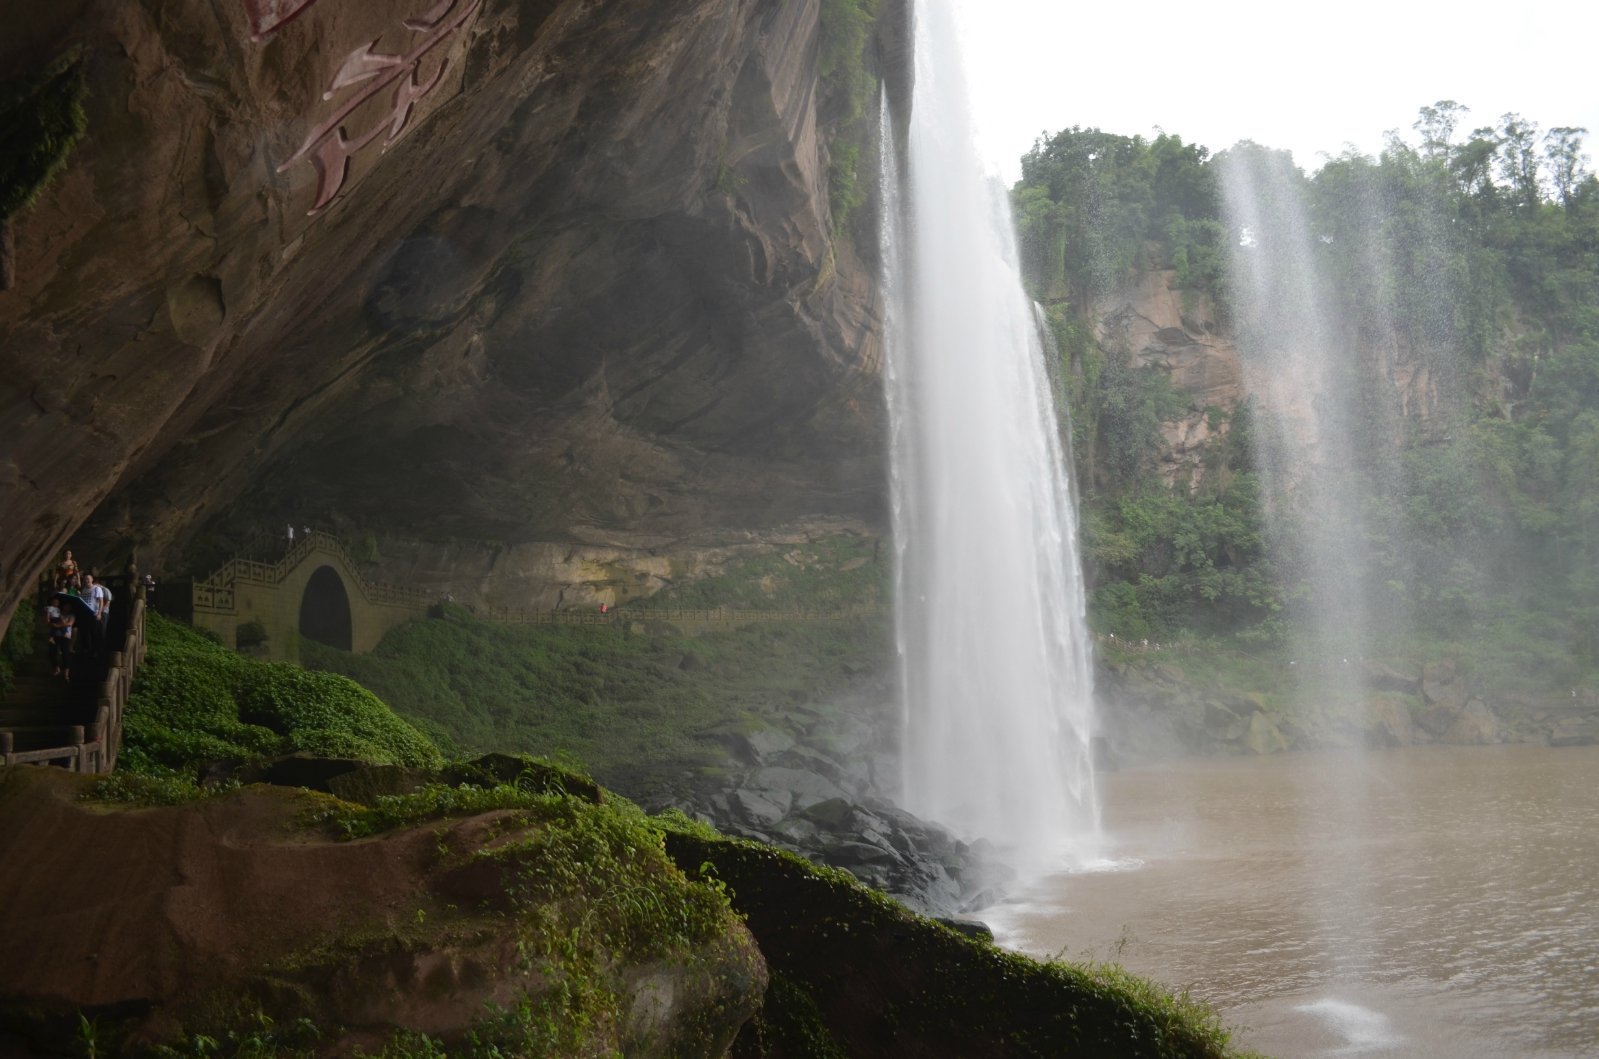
(325, 610)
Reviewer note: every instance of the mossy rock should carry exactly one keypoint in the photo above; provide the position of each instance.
(484, 923)
(526, 773)
(859, 975)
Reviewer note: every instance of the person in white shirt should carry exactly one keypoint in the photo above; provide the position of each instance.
(99, 597)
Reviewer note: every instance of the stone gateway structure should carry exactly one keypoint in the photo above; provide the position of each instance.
(316, 591)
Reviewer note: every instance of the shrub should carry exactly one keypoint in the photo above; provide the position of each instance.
(195, 701)
(41, 119)
(250, 634)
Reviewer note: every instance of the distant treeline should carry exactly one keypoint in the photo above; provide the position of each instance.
(1475, 255)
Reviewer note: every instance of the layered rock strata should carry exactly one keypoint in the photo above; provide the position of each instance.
(502, 269)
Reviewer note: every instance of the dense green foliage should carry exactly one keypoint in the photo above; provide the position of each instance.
(847, 86)
(195, 701)
(144, 789)
(20, 640)
(1093, 206)
(1474, 258)
(634, 708)
(844, 27)
(41, 119)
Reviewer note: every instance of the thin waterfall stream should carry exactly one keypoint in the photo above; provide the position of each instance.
(993, 644)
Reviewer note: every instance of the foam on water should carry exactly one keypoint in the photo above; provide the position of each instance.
(1362, 1029)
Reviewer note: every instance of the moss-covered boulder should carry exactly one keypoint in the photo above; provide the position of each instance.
(855, 974)
(275, 922)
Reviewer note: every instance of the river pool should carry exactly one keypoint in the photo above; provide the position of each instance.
(1424, 903)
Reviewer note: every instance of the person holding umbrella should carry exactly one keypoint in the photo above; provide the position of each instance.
(60, 624)
(87, 631)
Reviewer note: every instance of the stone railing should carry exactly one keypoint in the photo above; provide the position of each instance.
(92, 747)
(217, 592)
(719, 615)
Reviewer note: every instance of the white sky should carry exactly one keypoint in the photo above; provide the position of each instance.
(1309, 77)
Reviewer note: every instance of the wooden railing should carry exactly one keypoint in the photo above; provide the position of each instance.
(92, 747)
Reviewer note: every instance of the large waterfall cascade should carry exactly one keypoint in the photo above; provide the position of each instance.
(993, 643)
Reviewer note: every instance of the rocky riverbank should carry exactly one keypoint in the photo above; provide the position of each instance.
(818, 780)
(1153, 706)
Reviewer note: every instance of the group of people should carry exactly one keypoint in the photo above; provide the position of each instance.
(75, 616)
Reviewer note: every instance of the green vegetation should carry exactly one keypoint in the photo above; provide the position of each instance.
(582, 881)
(844, 190)
(435, 801)
(21, 640)
(1167, 562)
(196, 701)
(250, 634)
(1475, 258)
(634, 708)
(41, 120)
(847, 87)
(1092, 207)
(142, 790)
(845, 27)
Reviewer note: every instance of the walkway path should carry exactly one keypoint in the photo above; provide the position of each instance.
(78, 725)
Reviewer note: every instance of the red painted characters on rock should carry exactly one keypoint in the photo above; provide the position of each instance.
(266, 16)
(329, 145)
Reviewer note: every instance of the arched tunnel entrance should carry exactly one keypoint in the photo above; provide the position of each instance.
(325, 610)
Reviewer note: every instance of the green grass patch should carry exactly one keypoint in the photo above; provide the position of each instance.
(434, 802)
(1218, 667)
(632, 708)
(137, 790)
(195, 701)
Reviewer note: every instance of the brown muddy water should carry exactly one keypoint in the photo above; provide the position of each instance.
(1426, 903)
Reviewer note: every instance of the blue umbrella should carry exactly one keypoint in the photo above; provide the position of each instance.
(85, 621)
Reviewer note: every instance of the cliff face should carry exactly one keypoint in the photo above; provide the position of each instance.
(512, 271)
(1150, 322)
(1147, 322)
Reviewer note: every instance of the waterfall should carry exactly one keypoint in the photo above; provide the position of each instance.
(993, 646)
(1300, 358)
(1299, 361)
